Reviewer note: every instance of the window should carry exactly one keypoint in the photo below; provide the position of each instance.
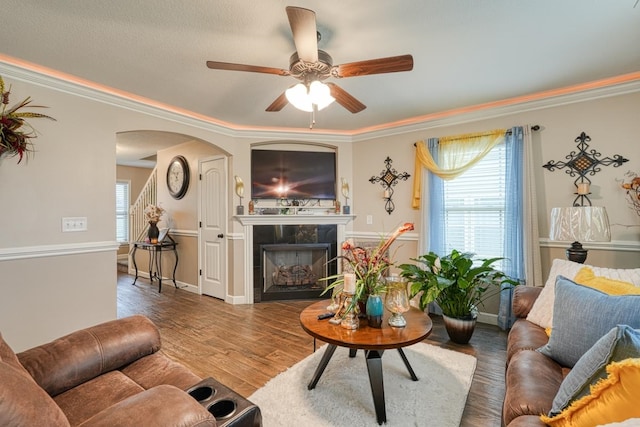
(122, 211)
(474, 208)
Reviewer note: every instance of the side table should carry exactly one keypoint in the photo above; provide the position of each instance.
(155, 259)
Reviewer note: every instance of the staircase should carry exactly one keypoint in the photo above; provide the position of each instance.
(138, 225)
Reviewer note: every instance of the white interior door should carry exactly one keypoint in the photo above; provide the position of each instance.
(213, 220)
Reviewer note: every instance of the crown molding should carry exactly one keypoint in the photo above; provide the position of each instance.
(37, 75)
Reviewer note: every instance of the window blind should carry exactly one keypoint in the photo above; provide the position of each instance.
(122, 211)
(474, 208)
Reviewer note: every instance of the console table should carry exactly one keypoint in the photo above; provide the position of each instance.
(155, 259)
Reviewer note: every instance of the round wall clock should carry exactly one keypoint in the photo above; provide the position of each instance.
(178, 177)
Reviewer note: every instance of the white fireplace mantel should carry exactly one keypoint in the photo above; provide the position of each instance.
(249, 221)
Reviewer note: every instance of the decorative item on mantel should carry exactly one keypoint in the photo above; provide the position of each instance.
(388, 179)
(15, 133)
(364, 276)
(583, 163)
(152, 214)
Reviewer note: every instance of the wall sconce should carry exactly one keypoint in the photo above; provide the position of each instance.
(582, 163)
(240, 194)
(388, 179)
(346, 209)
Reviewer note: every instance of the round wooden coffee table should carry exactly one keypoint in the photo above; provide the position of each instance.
(373, 341)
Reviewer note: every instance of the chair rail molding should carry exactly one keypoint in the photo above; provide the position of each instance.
(27, 252)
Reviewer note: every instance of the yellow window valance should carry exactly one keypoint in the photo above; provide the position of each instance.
(456, 154)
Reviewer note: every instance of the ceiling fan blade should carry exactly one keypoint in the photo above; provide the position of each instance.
(345, 99)
(305, 35)
(391, 64)
(243, 67)
(278, 104)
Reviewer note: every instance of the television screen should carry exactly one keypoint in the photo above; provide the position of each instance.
(293, 174)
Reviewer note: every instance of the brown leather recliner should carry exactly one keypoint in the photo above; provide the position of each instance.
(532, 379)
(106, 375)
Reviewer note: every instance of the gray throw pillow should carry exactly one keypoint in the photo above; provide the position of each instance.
(620, 343)
(582, 315)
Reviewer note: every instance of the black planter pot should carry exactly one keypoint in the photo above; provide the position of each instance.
(460, 330)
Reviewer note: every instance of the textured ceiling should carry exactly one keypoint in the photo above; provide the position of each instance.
(465, 52)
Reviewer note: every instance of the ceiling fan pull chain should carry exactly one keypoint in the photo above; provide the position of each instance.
(312, 120)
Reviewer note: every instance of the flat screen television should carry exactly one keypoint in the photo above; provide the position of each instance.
(293, 174)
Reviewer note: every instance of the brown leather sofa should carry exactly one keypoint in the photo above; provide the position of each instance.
(112, 374)
(532, 379)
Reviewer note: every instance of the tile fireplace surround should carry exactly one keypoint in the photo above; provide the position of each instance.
(252, 250)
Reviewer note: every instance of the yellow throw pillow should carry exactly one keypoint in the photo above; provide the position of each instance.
(587, 277)
(613, 399)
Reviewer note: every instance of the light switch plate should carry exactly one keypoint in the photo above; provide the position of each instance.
(71, 224)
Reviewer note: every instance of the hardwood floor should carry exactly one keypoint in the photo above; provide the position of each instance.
(244, 346)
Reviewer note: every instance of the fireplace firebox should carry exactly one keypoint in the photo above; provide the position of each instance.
(290, 261)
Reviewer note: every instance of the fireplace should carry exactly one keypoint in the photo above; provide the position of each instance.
(290, 260)
(292, 267)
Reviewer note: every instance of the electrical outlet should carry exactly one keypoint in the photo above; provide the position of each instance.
(369, 219)
(70, 224)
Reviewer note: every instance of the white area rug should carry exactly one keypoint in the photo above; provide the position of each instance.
(343, 394)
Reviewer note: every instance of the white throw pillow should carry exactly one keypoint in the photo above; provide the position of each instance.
(542, 310)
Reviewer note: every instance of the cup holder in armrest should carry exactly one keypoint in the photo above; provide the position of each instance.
(202, 393)
(227, 406)
(222, 409)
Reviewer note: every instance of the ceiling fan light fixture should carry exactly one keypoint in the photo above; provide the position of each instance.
(320, 94)
(304, 99)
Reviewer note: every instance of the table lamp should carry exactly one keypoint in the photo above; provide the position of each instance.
(579, 224)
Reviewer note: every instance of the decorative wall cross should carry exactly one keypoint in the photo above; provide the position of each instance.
(388, 179)
(582, 163)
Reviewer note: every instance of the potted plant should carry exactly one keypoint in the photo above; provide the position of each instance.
(458, 284)
(369, 267)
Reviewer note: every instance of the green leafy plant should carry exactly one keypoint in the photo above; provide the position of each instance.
(15, 133)
(456, 281)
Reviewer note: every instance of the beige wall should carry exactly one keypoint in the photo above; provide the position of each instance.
(66, 281)
(610, 122)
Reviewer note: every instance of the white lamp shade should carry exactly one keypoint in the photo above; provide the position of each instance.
(580, 224)
(304, 99)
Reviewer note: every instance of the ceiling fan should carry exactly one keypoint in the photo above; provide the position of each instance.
(312, 66)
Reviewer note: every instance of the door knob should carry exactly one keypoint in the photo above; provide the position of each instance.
(221, 235)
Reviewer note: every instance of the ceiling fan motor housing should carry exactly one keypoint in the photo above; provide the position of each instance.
(308, 71)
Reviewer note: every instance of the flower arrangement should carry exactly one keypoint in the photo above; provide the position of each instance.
(15, 133)
(152, 213)
(368, 265)
(631, 184)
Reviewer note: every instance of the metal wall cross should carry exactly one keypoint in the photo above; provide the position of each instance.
(388, 179)
(582, 163)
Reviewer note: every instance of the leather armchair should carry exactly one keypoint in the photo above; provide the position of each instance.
(105, 375)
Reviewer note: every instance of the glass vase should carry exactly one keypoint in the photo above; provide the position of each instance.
(375, 309)
(397, 300)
